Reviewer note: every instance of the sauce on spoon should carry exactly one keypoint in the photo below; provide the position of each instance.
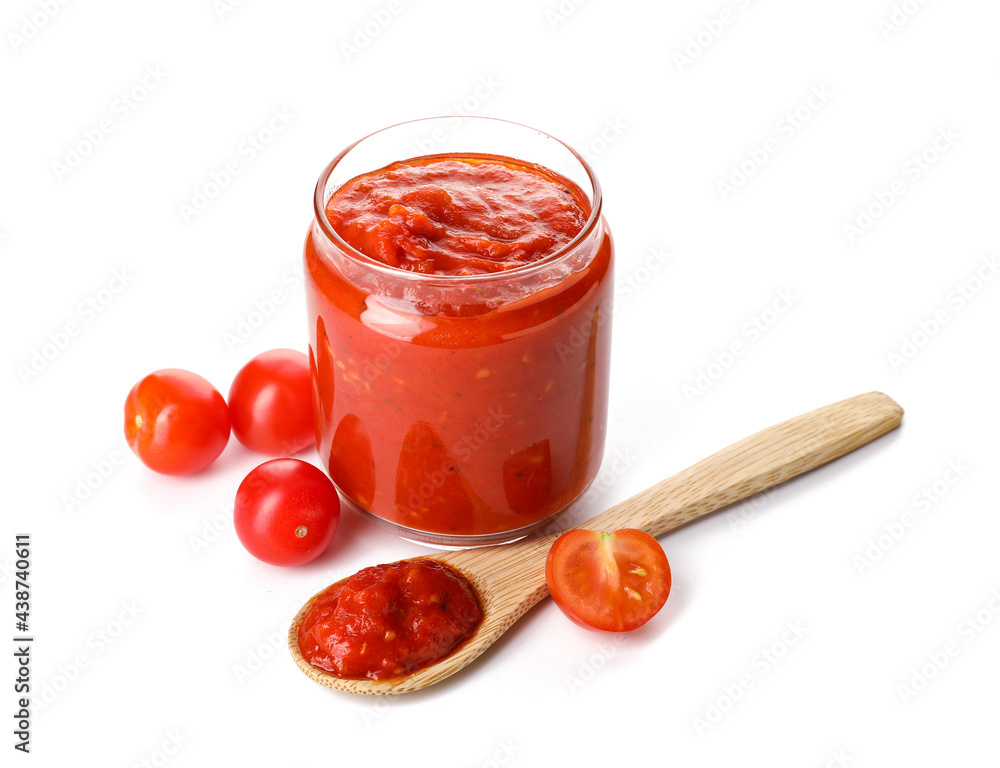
(389, 620)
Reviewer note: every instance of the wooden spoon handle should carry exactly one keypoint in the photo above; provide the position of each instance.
(755, 463)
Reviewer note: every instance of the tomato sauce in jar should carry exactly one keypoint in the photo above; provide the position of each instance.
(460, 312)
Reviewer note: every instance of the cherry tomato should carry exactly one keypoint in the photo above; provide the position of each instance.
(176, 422)
(286, 512)
(612, 581)
(270, 403)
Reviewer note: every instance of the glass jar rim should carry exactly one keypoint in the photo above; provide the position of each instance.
(319, 208)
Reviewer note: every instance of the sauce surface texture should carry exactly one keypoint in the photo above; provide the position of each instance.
(389, 620)
(457, 216)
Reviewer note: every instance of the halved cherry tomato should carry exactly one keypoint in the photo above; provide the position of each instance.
(176, 422)
(271, 403)
(612, 581)
(286, 512)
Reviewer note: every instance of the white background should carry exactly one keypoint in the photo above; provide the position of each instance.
(155, 628)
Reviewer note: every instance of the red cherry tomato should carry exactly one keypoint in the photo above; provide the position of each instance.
(176, 422)
(270, 403)
(612, 581)
(286, 512)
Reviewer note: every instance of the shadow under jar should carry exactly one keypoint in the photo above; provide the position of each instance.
(460, 350)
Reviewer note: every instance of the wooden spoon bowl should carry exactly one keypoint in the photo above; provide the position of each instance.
(509, 579)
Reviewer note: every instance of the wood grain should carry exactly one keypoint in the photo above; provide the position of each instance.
(510, 579)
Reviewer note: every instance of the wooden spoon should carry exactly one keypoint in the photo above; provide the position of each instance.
(509, 579)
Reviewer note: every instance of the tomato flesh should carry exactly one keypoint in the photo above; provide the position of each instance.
(176, 422)
(613, 581)
(286, 512)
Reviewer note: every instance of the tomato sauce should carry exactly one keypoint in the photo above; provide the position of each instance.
(450, 216)
(389, 620)
(460, 349)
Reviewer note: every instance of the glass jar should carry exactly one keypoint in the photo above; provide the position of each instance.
(460, 410)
